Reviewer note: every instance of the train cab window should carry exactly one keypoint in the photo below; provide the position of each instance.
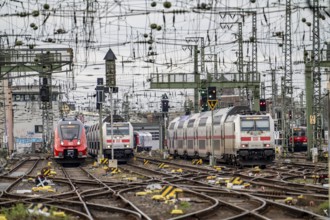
(298, 132)
(118, 130)
(69, 132)
(262, 125)
(255, 124)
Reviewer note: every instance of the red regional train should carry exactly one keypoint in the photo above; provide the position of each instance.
(299, 139)
(69, 141)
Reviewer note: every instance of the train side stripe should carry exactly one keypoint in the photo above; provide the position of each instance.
(245, 138)
(122, 141)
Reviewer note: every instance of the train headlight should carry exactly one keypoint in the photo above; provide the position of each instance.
(108, 146)
(244, 145)
(62, 143)
(78, 142)
(266, 145)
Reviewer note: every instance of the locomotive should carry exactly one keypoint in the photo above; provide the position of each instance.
(240, 136)
(121, 140)
(69, 141)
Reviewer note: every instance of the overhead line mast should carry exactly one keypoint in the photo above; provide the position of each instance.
(316, 76)
(287, 79)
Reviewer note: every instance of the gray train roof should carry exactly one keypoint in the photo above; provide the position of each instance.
(223, 111)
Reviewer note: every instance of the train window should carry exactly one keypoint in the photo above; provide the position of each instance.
(202, 122)
(299, 132)
(255, 124)
(171, 127)
(217, 120)
(247, 125)
(69, 132)
(181, 124)
(118, 130)
(262, 125)
(191, 123)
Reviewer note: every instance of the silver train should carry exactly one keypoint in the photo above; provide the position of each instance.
(240, 137)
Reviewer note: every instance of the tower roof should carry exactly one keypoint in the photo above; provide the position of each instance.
(110, 56)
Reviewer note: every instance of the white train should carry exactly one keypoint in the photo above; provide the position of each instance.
(240, 136)
(122, 139)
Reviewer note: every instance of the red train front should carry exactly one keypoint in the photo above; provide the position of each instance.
(70, 144)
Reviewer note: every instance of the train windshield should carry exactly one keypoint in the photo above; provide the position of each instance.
(299, 132)
(69, 132)
(255, 124)
(118, 130)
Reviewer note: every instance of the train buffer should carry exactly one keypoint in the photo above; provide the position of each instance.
(145, 162)
(197, 161)
(167, 192)
(162, 165)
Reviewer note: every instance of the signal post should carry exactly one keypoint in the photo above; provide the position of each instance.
(110, 75)
(212, 102)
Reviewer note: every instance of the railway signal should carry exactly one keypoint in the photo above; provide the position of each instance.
(262, 105)
(44, 93)
(165, 102)
(212, 93)
(204, 105)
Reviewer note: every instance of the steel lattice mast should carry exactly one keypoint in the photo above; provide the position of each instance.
(287, 79)
(316, 76)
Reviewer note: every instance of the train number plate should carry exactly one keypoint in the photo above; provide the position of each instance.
(70, 143)
(254, 138)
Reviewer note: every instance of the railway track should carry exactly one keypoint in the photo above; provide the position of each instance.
(93, 193)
